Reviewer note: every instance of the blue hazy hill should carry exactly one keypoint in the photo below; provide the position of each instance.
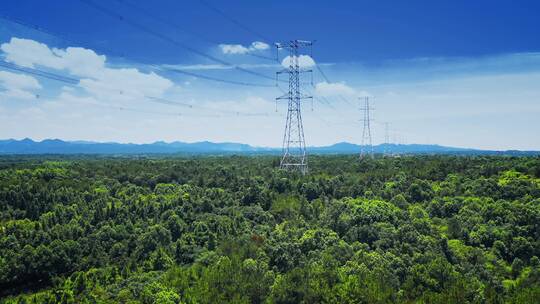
(57, 146)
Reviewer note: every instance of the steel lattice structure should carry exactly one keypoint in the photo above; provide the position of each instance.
(386, 138)
(294, 145)
(367, 144)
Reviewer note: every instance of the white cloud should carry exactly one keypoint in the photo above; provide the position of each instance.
(261, 46)
(233, 49)
(333, 89)
(304, 61)
(238, 49)
(82, 62)
(27, 53)
(18, 80)
(97, 79)
(17, 86)
(125, 84)
(77, 61)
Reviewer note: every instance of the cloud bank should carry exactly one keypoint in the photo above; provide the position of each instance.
(96, 78)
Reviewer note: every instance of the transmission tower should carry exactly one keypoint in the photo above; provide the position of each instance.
(386, 138)
(294, 146)
(367, 144)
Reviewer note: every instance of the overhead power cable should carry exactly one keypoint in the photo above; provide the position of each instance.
(242, 83)
(322, 100)
(120, 108)
(180, 28)
(122, 55)
(322, 73)
(176, 103)
(73, 82)
(168, 39)
(59, 78)
(325, 101)
(328, 81)
(39, 73)
(346, 100)
(234, 21)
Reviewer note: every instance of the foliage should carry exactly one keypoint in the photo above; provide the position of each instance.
(425, 229)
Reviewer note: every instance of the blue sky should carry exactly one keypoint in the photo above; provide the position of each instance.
(460, 73)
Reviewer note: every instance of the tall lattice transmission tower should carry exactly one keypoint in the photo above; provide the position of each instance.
(386, 138)
(366, 147)
(294, 145)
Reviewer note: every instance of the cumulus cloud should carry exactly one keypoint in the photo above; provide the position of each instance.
(27, 53)
(238, 49)
(233, 49)
(260, 46)
(304, 61)
(334, 89)
(125, 84)
(18, 86)
(96, 78)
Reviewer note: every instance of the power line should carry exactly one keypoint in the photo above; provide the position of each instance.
(322, 73)
(345, 100)
(153, 99)
(122, 55)
(294, 145)
(386, 137)
(177, 114)
(321, 99)
(367, 143)
(166, 38)
(328, 81)
(39, 73)
(234, 21)
(242, 83)
(120, 108)
(169, 102)
(73, 82)
(176, 26)
(191, 106)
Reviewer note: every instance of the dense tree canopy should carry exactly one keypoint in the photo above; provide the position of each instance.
(428, 229)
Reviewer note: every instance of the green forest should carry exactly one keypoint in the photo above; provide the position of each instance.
(237, 229)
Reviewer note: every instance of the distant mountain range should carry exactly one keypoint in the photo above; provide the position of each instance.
(57, 146)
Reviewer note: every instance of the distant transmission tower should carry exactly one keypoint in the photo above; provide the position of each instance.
(367, 144)
(294, 146)
(386, 138)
